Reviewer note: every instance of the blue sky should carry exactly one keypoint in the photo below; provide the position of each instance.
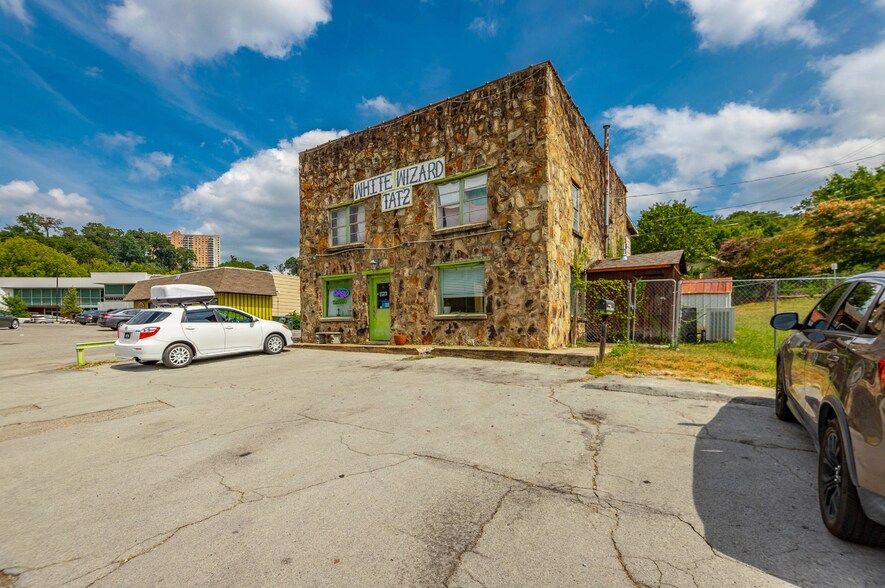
(189, 114)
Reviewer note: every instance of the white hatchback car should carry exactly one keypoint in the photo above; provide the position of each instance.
(176, 335)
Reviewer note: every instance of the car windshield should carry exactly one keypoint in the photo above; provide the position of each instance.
(149, 316)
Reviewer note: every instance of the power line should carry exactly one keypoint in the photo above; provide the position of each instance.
(804, 171)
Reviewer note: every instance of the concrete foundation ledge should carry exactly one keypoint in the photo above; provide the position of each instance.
(564, 357)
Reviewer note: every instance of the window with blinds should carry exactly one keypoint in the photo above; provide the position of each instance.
(462, 289)
(576, 208)
(463, 202)
(348, 225)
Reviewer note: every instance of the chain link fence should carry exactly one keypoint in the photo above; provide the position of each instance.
(667, 312)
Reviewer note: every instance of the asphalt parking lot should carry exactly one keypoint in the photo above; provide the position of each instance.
(317, 468)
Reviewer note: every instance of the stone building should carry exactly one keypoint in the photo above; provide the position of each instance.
(458, 223)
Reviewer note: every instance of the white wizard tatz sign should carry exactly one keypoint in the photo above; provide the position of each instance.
(395, 187)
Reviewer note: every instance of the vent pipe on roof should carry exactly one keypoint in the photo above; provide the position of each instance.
(605, 195)
(624, 252)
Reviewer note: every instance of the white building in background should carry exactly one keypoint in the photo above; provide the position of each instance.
(100, 290)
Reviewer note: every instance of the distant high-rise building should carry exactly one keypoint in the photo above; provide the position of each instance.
(207, 248)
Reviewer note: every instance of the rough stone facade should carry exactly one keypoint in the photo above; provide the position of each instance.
(526, 132)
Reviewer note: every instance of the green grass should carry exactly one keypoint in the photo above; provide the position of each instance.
(749, 360)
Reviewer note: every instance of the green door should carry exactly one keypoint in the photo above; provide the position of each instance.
(379, 308)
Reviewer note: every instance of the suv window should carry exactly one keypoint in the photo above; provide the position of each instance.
(202, 315)
(854, 309)
(232, 316)
(876, 324)
(818, 318)
(149, 316)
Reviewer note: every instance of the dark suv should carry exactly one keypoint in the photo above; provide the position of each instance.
(830, 376)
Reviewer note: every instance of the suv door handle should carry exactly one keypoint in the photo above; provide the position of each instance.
(189, 328)
(228, 328)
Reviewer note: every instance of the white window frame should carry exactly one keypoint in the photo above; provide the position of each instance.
(463, 199)
(352, 233)
(576, 208)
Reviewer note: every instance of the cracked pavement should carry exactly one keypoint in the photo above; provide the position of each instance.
(338, 469)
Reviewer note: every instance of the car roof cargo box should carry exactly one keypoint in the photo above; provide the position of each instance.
(182, 294)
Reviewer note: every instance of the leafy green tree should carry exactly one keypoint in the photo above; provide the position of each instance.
(234, 262)
(15, 306)
(786, 255)
(849, 232)
(861, 184)
(184, 259)
(70, 304)
(750, 223)
(26, 225)
(675, 225)
(24, 257)
(106, 238)
(289, 267)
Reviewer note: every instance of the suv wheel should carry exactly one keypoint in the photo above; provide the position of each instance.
(781, 410)
(274, 344)
(177, 355)
(13, 324)
(839, 504)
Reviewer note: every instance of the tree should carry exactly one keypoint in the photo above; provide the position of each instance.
(675, 225)
(26, 225)
(48, 222)
(184, 259)
(849, 232)
(70, 304)
(289, 267)
(786, 255)
(234, 262)
(861, 184)
(14, 306)
(103, 236)
(24, 257)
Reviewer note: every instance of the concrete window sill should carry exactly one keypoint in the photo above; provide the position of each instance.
(360, 245)
(461, 228)
(336, 319)
(460, 317)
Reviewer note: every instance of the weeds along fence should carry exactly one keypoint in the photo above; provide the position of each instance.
(670, 312)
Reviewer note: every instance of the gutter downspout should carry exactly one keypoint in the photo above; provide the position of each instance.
(605, 195)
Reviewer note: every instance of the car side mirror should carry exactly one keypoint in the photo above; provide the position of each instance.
(785, 321)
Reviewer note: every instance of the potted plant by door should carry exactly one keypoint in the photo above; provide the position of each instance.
(399, 339)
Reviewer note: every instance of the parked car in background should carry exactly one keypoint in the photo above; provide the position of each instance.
(88, 316)
(112, 320)
(830, 377)
(9, 321)
(45, 319)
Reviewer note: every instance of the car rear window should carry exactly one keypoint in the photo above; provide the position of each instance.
(149, 316)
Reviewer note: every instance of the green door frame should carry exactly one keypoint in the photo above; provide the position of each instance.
(379, 319)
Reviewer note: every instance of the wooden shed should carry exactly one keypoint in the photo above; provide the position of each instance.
(663, 265)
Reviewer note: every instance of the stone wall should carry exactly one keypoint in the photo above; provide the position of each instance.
(507, 126)
(575, 156)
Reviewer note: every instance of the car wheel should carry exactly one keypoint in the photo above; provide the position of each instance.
(839, 504)
(13, 324)
(177, 355)
(781, 410)
(274, 344)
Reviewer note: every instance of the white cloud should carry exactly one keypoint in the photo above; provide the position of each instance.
(381, 106)
(127, 140)
(18, 197)
(93, 72)
(855, 82)
(254, 205)
(16, 9)
(202, 29)
(150, 166)
(730, 23)
(484, 27)
(699, 144)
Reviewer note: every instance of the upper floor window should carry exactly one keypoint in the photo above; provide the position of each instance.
(576, 207)
(348, 224)
(463, 202)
